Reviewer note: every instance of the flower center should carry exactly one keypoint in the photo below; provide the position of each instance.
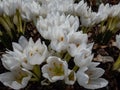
(20, 76)
(57, 70)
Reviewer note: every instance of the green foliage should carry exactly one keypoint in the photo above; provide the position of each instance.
(11, 28)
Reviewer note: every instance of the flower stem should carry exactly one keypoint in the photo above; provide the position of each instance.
(24, 26)
(8, 21)
(75, 68)
(6, 26)
(67, 57)
(19, 26)
(36, 71)
(115, 21)
(117, 63)
(110, 20)
(34, 79)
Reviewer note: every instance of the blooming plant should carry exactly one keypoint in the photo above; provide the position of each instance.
(63, 51)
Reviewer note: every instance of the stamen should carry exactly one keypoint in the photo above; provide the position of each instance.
(62, 38)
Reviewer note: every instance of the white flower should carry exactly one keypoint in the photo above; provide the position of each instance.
(23, 42)
(16, 79)
(10, 6)
(85, 13)
(58, 41)
(114, 11)
(77, 41)
(103, 13)
(71, 78)
(118, 41)
(26, 1)
(10, 62)
(89, 19)
(59, 5)
(36, 52)
(89, 77)
(25, 54)
(17, 58)
(81, 8)
(47, 26)
(30, 10)
(83, 58)
(55, 69)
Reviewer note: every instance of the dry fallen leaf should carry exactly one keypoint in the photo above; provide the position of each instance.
(103, 59)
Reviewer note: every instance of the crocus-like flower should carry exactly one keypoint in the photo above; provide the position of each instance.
(59, 5)
(16, 58)
(13, 60)
(55, 69)
(83, 58)
(89, 77)
(58, 40)
(85, 13)
(114, 11)
(30, 10)
(16, 79)
(77, 41)
(25, 54)
(80, 8)
(88, 20)
(118, 41)
(10, 6)
(103, 12)
(47, 26)
(36, 52)
(71, 78)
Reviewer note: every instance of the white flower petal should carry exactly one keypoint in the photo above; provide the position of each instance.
(17, 47)
(23, 42)
(13, 79)
(36, 59)
(82, 78)
(71, 78)
(96, 84)
(55, 69)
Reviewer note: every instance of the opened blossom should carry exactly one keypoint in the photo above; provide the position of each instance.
(89, 77)
(16, 79)
(30, 10)
(13, 60)
(60, 5)
(77, 41)
(25, 54)
(83, 58)
(103, 13)
(59, 40)
(85, 13)
(17, 58)
(71, 77)
(11, 6)
(55, 69)
(36, 52)
(47, 26)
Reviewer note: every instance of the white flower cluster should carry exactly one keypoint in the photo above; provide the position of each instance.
(26, 55)
(31, 9)
(57, 21)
